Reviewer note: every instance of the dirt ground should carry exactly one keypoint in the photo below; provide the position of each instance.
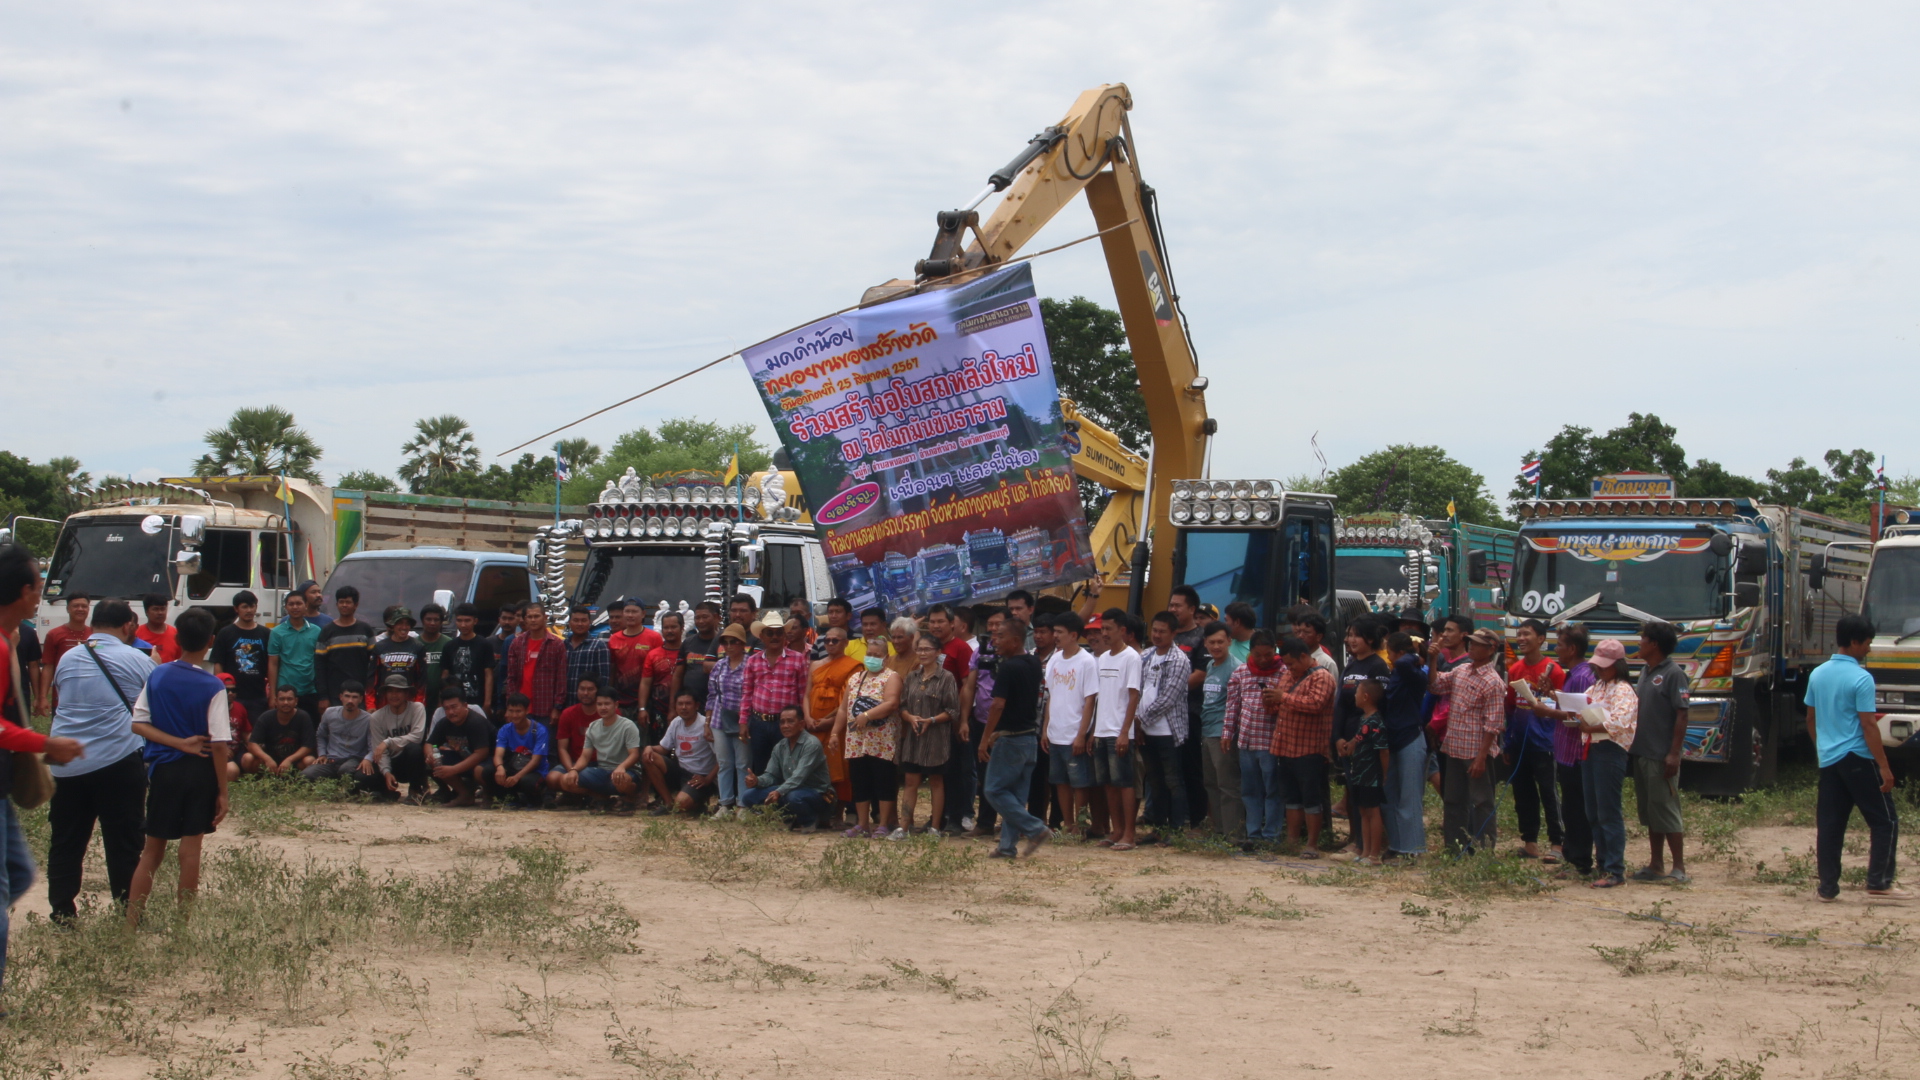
(1066, 965)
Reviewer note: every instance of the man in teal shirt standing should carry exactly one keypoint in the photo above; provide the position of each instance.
(290, 649)
(1854, 774)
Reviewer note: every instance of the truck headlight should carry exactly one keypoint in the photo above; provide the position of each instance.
(1264, 512)
(1242, 511)
(620, 527)
(1890, 697)
(1181, 513)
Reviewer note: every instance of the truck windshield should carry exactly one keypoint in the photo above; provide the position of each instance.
(1893, 591)
(1230, 567)
(647, 573)
(1369, 572)
(386, 582)
(109, 558)
(1671, 575)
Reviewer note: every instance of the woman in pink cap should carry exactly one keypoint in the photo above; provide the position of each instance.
(1604, 772)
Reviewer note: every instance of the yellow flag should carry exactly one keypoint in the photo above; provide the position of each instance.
(1451, 512)
(733, 469)
(283, 496)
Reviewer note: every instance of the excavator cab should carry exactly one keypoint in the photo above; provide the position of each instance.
(1247, 541)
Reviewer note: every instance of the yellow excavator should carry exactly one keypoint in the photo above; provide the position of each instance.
(1092, 149)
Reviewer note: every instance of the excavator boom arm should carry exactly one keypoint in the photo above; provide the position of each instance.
(1091, 150)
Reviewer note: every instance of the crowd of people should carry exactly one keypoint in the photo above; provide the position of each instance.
(1013, 723)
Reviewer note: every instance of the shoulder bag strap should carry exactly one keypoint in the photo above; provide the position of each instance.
(111, 681)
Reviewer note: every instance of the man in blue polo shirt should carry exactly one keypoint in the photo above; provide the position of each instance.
(1854, 772)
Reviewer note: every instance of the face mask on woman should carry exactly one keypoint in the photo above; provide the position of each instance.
(875, 663)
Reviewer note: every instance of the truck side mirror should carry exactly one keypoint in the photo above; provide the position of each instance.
(750, 559)
(1477, 567)
(1720, 544)
(1816, 572)
(1746, 594)
(192, 527)
(1751, 561)
(443, 597)
(187, 562)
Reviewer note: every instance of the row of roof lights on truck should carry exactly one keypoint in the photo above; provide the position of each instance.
(1553, 508)
(615, 522)
(693, 495)
(1225, 502)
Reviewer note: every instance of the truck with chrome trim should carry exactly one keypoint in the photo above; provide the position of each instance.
(674, 541)
(1442, 567)
(1741, 583)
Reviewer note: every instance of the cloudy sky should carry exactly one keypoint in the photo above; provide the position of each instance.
(1464, 223)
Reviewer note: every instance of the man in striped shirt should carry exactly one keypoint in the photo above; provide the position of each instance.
(1475, 726)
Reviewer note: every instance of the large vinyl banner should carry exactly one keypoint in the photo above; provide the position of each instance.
(927, 436)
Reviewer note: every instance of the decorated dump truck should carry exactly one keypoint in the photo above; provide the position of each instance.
(1741, 582)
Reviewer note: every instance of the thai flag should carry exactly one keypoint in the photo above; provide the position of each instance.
(561, 470)
(1530, 472)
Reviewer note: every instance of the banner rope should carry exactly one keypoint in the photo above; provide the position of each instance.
(914, 291)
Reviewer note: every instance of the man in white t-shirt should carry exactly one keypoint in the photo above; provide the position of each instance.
(1073, 684)
(1115, 716)
(683, 768)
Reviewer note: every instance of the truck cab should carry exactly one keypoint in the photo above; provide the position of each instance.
(674, 541)
(1249, 541)
(172, 541)
(942, 570)
(416, 577)
(1892, 605)
(1387, 562)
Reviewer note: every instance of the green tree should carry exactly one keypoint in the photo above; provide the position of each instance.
(528, 479)
(1094, 367)
(30, 490)
(260, 442)
(676, 445)
(441, 447)
(1576, 455)
(72, 483)
(1706, 479)
(366, 480)
(1407, 479)
(578, 453)
(1844, 489)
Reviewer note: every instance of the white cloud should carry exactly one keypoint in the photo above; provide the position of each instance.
(1464, 224)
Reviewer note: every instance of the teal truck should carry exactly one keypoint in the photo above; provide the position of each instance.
(1390, 562)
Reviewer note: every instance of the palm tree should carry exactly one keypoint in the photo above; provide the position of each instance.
(71, 483)
(578, 453)
(260, 442)
(441, 447)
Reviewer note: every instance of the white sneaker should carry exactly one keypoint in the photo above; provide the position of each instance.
(1894, 894)
(897, 834)
(967, 823)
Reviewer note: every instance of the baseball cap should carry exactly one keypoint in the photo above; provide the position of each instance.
(227, 680)
(1485, 637)
(395, 682)
(1608, 653)
(397, 613)
(1092, 624)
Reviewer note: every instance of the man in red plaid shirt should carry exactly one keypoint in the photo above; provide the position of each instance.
(537, 666)
(1475, 726)
(1247, 732)
(1300, 740)
(773, 678)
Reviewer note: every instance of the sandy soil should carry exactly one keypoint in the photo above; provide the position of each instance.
(1359, 986)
